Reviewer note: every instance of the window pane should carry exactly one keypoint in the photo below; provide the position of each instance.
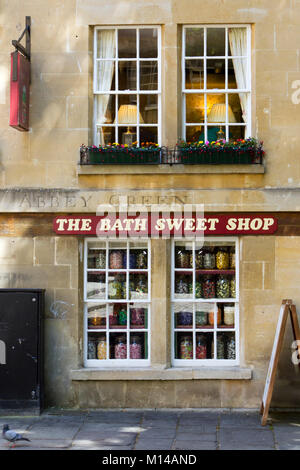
(183, 345)
(127, 75)
(148, 43)
(148, 134)
(183, 255)
(97, 256)
(106, 135)
(138, 316)
(215, 74)
(148, 109)
(105, 109)
(138, 256)
(105, 75)
(204, 346)
(97, 346)
(194, 133)
(96, 317)
(194, 42)
(236, 132)
(237, 73)
(194, 108)
(215, 42)
(148, 75)
(194, 74)
(117, 286)
(234, 110)
(95, 286)
(118, 346)
(127, 43)
(138, 286)
(138, 348)
(183, 286)
(117, 256)
(106, 47)
(117, 316)
(127, 135)
(216, 108)
(226, 348)
(237, 41)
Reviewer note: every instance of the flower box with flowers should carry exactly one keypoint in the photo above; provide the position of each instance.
(118, 154)
(240, 151)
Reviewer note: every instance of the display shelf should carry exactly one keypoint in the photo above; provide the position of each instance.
(216, 271)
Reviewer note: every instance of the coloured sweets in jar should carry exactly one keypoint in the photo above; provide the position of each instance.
(201, 318)
(199, 259)
(91, 349)
(201, 347)
(122, 316)
(100, 260)
(209, 260)
(232, 258)
(116, 259)
(120, 348)
(141, 260)
(135, 348)
(186, 347)
(223, 287)
(222, 259)
(101, 348)
(208, 287)
(231, 348)
(229, 315)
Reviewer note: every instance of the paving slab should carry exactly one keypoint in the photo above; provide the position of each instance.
(194, 445)
(154, 444)
(203, 437)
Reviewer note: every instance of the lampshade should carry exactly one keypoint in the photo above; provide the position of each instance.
(127, 114)
(218, 113)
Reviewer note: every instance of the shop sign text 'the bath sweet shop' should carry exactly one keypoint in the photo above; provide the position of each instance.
(159, 224)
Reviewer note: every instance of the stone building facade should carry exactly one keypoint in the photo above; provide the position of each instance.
(42, 178)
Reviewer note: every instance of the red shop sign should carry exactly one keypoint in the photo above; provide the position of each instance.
(19, 92)
(158, 224)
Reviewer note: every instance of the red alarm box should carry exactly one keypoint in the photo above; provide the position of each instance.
(19, 92)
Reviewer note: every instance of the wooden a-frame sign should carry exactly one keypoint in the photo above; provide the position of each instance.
(287, 308)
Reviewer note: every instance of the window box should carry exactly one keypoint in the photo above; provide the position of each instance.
(122, 156)
(217, 157)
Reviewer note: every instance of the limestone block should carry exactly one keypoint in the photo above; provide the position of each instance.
(66, 177)
(66, 250)
(258, 249)
(198, 394)
(56, 146)
(44, 250)
(251, 273)
(30, 174)
(101, 394)
(16, 251)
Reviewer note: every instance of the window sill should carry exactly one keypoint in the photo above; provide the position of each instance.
(169, 169)
(203, 373)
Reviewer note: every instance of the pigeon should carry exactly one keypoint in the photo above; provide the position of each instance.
(12, 436)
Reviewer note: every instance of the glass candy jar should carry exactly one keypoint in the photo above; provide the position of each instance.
(232, 288)
(186, 347)
(231, 348)
(201, 347)
(220, 347)
(135, 348)
(183, 259)
(208, 287)
(185, 318)
(91, 349)
(201, 318)
(141, 284)
(232, 258)
(209, 260)
(100, 260)
(182, 285)
(222, 259)
(120, 348)
(223, 287)
(199, 259)
(116, 259)
(122, 315)
(141, 260)
(116, 288)
(101, 348)
(229, 316)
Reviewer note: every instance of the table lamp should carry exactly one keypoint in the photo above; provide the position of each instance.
(127, 115)
(218, 114)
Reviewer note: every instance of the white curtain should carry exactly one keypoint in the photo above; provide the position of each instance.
(238, 45)
(105, 70)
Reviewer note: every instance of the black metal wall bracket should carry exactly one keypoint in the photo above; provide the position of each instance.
(26, 51)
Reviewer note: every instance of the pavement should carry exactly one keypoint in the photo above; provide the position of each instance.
(154, 430)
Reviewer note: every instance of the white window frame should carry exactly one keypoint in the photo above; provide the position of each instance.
(213, 91)
(136, 92)
(116, 363)
(205, 362)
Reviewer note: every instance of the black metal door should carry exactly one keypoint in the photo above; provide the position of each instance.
(19, 333)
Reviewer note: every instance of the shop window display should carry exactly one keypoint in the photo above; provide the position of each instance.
(117, 326)
(204, 303)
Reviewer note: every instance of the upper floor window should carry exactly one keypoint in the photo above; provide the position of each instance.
(126, 85)
(216, 82)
